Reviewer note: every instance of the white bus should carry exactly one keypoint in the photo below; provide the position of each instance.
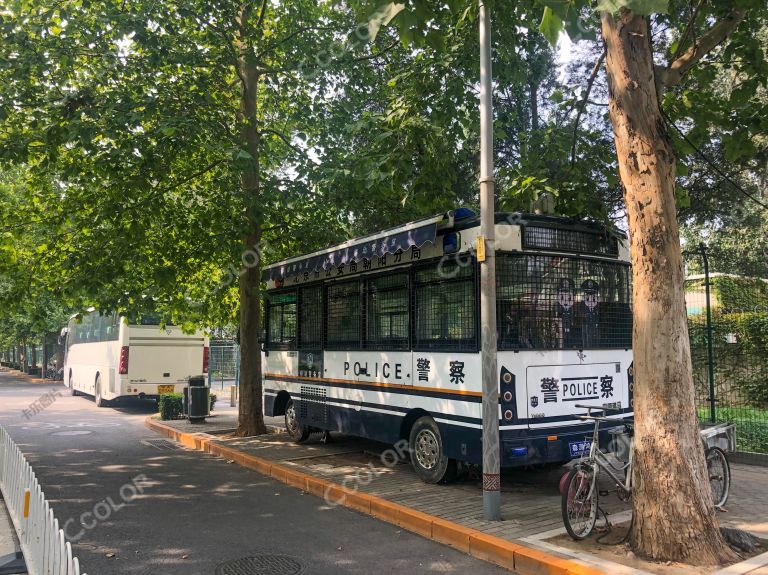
(380, 337)
(109, 359)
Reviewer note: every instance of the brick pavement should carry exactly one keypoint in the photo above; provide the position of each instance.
(530, 497)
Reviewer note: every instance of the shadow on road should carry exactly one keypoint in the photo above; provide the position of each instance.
(135, 406)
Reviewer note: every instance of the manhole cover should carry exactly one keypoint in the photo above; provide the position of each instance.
(261, 565)
(161, 444)
(82, 432)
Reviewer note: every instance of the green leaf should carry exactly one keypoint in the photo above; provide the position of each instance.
(550, 26)
(682, 198)
(382, 17)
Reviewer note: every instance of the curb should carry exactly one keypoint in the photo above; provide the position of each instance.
(29, 378)
(514, 556)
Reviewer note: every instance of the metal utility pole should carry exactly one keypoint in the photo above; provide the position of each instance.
(487, 258)
(710, 354)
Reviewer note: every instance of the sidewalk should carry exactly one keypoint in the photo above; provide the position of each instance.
(9, 543)
(530, 498)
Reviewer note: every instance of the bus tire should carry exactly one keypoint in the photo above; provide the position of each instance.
(427, 455)
(296, 431)
(99, 400)
(72, 390)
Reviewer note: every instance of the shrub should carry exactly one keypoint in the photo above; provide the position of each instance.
(170, 405)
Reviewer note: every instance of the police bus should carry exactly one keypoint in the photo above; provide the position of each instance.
(379, 337)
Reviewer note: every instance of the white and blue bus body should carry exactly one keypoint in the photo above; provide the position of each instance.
(379, 333)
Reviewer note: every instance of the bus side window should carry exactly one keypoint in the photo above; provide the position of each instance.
(446, 307)
(343, 321)
(281, 321)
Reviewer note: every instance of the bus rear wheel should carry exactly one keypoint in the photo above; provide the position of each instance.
(427, 454)
(296, 431)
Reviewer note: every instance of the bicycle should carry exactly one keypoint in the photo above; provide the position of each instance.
(580, 493)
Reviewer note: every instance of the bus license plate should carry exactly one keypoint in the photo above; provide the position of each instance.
(579, 448)
(161, 389)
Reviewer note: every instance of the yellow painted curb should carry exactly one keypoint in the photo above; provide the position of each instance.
(523, 560)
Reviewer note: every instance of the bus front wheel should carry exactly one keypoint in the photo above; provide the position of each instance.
(296, 430)
(427, 454)
(100, 401)
(72, 390)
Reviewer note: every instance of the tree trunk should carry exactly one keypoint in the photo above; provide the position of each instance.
(251, 410)
(533, 94)
(674, 516)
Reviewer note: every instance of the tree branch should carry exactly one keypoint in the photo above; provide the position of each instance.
(262, 13)
(672, 74)
(290, 37)
(688, 29)
(581, 106)
(300, 66)
(284, 138)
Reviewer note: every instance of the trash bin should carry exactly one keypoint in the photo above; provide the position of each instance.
(198, 400)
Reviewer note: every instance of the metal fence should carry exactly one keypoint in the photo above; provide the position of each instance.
(42, 542)
(728, 330)
(224, 365)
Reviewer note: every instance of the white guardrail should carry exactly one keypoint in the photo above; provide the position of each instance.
(42, 542)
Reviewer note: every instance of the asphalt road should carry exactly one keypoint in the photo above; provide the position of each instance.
(137, 504)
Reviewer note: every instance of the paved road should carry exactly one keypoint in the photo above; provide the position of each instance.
(168, 510)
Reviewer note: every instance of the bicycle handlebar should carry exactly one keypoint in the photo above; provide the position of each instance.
(597, 407)
(595, 418)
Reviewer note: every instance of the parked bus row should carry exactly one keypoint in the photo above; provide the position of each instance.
(379, 337)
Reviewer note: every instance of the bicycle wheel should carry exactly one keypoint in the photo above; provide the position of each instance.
(719, 472)
(579, 501)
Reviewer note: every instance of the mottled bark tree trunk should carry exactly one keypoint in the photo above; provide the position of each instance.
(674, 516)
(251, 411)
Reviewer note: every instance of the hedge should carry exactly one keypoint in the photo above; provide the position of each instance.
(734, 293)
(171, 405)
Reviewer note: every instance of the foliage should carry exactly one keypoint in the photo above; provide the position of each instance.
(26, 310)
(751, 426)
(740, 293)
(417, 134)
(749, 327)
(170, 405)
(740, 344)
(736, 241)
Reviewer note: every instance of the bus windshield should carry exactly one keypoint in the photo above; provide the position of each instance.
(561, 302)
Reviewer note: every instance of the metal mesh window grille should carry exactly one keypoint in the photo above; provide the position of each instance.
(311, 317)
(387, 312)
(552, 302)
(344, 316)
(569, 241)
(446, 308)
(281, 321)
